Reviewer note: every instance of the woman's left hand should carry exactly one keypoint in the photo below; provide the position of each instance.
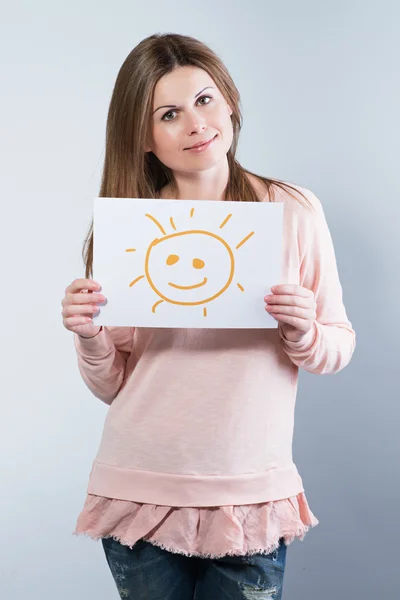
(295, 307)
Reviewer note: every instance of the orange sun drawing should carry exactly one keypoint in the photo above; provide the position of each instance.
(207, 285)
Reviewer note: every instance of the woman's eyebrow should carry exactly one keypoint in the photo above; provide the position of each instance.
(174, 105)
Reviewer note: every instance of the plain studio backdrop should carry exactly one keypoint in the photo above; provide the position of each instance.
(320, 92)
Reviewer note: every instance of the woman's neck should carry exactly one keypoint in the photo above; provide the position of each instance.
(206, 186)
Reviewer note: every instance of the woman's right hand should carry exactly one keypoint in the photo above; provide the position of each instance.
(79, 305)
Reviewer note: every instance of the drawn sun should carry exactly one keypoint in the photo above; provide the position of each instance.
(207, 283)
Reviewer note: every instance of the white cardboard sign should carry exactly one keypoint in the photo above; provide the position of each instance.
(184, 263)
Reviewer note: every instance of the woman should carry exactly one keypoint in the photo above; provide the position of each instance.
(194, 492)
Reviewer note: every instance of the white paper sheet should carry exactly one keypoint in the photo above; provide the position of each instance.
(184, 263)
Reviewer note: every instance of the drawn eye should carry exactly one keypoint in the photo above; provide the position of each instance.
(198, 263)
(172, 259)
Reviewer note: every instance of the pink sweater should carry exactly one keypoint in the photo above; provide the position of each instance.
(204, 418)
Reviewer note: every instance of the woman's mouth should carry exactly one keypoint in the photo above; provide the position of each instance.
(203, 146)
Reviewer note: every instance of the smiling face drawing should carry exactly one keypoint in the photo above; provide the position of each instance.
(203, 284)
(178, 266)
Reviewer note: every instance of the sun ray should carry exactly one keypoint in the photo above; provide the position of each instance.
(153, 308)
(172, 223)
(244, 240)
(225, 221)
(240, 287)
(157, 223)
(192, 212)
(130, 250)
(136, 280)
(205, 311)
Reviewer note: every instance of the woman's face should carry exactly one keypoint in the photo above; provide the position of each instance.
(187, 109)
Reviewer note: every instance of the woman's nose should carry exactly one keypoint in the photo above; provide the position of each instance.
(195, 122)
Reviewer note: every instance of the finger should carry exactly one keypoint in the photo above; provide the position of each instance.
(293, 311)
(73, 321)
(292, 289)
(76, 310)
(299, 324)
(288, 300)
(84, 298)
(82, 284)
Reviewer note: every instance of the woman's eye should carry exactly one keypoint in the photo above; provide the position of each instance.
(201, 98)
(170, 112)
(166, 114)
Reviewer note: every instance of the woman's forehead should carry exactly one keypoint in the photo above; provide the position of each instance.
(180, 82)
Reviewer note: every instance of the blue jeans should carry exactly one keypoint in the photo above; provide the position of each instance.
(147, 572)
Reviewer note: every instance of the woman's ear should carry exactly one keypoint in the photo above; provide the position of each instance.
(230, 110)
(147, 147)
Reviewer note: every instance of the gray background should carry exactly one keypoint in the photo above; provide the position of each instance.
(320, 95)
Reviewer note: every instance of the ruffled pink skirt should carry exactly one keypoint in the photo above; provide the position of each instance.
(209, 532)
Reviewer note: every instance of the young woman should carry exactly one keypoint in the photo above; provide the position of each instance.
(194, 492)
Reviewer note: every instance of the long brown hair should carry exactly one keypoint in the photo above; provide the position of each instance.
(129, 171)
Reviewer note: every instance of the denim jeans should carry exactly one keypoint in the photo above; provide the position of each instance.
(147, 572)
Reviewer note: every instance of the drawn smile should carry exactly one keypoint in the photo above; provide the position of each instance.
(188, 287)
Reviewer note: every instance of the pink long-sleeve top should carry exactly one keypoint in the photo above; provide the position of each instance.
(196, 451)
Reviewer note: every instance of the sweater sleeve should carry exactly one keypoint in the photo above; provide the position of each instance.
(102, 360)
(328, 347)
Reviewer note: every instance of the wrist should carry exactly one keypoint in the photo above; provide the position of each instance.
(303, 343)
(90, 336)
(293, 337)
